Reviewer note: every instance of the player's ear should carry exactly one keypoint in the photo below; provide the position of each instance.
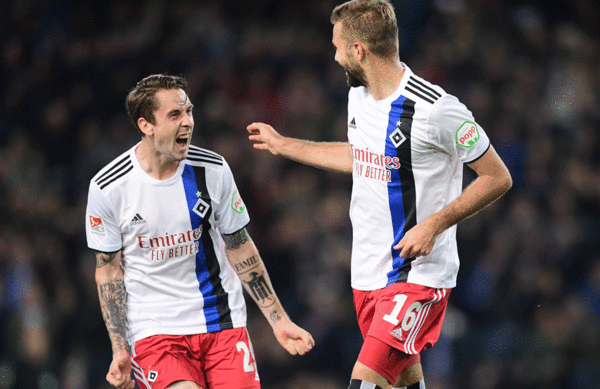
(145, 126)
(359, 50)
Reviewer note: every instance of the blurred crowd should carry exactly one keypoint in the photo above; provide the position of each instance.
(526, 311)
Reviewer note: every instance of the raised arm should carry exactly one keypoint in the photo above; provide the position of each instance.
(113, 298)
(492, 182)
(334, 156)
(243, 256)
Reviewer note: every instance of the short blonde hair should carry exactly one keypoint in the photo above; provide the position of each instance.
(371, 21)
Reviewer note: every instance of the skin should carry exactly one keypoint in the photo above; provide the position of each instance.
(382, 76)
(112, 295)
(245, 260)
(159, 154)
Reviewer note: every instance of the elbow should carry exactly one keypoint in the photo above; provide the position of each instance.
(107, 274)
(506, 182)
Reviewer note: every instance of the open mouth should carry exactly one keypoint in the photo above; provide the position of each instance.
(182, 141)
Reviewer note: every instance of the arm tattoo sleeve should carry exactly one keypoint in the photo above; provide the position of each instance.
(235, 240)
(114, 311)
(104, 258)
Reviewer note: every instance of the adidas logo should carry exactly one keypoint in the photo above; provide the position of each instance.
(397, 333)
(137, 219)
(352, 123)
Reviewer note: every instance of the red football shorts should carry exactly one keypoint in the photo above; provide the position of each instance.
(401, 317)
(215, 360)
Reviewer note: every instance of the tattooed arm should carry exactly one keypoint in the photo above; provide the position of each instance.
(243, 256)
(113, 298)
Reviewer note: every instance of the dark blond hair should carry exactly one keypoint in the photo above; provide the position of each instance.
(370, 21)
(141, 101)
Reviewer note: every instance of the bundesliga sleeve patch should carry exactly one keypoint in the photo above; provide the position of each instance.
(467, 135)
(237, 204)
(96, 225)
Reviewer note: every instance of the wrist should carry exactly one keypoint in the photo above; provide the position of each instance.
(438, 223)
(277, 318)
(122, 352)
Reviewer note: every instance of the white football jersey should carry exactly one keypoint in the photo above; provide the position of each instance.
(408, 152)
(177, 277)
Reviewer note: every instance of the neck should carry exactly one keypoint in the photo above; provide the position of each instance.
(153, 162)
(384, 77)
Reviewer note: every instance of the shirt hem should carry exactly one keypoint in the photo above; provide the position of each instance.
(167, 330)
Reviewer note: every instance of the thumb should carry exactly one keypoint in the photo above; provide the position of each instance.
(399, 245)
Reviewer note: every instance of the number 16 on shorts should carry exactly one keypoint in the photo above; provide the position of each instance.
(409, 317)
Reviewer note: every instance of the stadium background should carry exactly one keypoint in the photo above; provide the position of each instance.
(526, 312)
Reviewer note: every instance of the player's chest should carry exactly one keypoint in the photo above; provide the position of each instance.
(160, 211)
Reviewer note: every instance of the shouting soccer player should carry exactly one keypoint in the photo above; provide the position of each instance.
(168, 226)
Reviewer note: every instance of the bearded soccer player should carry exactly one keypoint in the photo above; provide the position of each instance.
(407, 143)
(169, 229)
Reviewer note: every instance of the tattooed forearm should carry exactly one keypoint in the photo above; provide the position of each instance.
(260, 290)
(247, 265)
(104, 258)
(275, 316)
(113, 304)
(235, 240)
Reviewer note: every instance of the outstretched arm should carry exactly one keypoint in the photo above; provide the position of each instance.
(243, 256)
(334, 156)
(113, 298)
(492, 182)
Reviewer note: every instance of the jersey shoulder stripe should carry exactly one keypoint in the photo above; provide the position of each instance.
(204, 151)
(422, 89)
(113, 171)
(197, 154)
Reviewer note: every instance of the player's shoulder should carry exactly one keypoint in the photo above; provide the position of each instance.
(421, 90)
(114, 170)
(197, 156)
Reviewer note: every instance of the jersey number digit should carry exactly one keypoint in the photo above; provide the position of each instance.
(241, 346)
(411, 313)
(400, 299)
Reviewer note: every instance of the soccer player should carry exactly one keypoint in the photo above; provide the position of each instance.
(172, 252)
(407, 142)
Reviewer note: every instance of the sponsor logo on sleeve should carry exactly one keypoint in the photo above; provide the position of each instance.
(237, 204)
(97, 226)
(467, 135)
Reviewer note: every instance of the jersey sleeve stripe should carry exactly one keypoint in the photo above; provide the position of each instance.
(109, 171)
(421, 83)
(414, 85)
(117, 177)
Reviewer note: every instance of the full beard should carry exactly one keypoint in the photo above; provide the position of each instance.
(355, 76)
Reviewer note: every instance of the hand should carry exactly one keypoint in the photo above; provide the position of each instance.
(419, 240)
(293, 338)
(119, 373)
(265, 135)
